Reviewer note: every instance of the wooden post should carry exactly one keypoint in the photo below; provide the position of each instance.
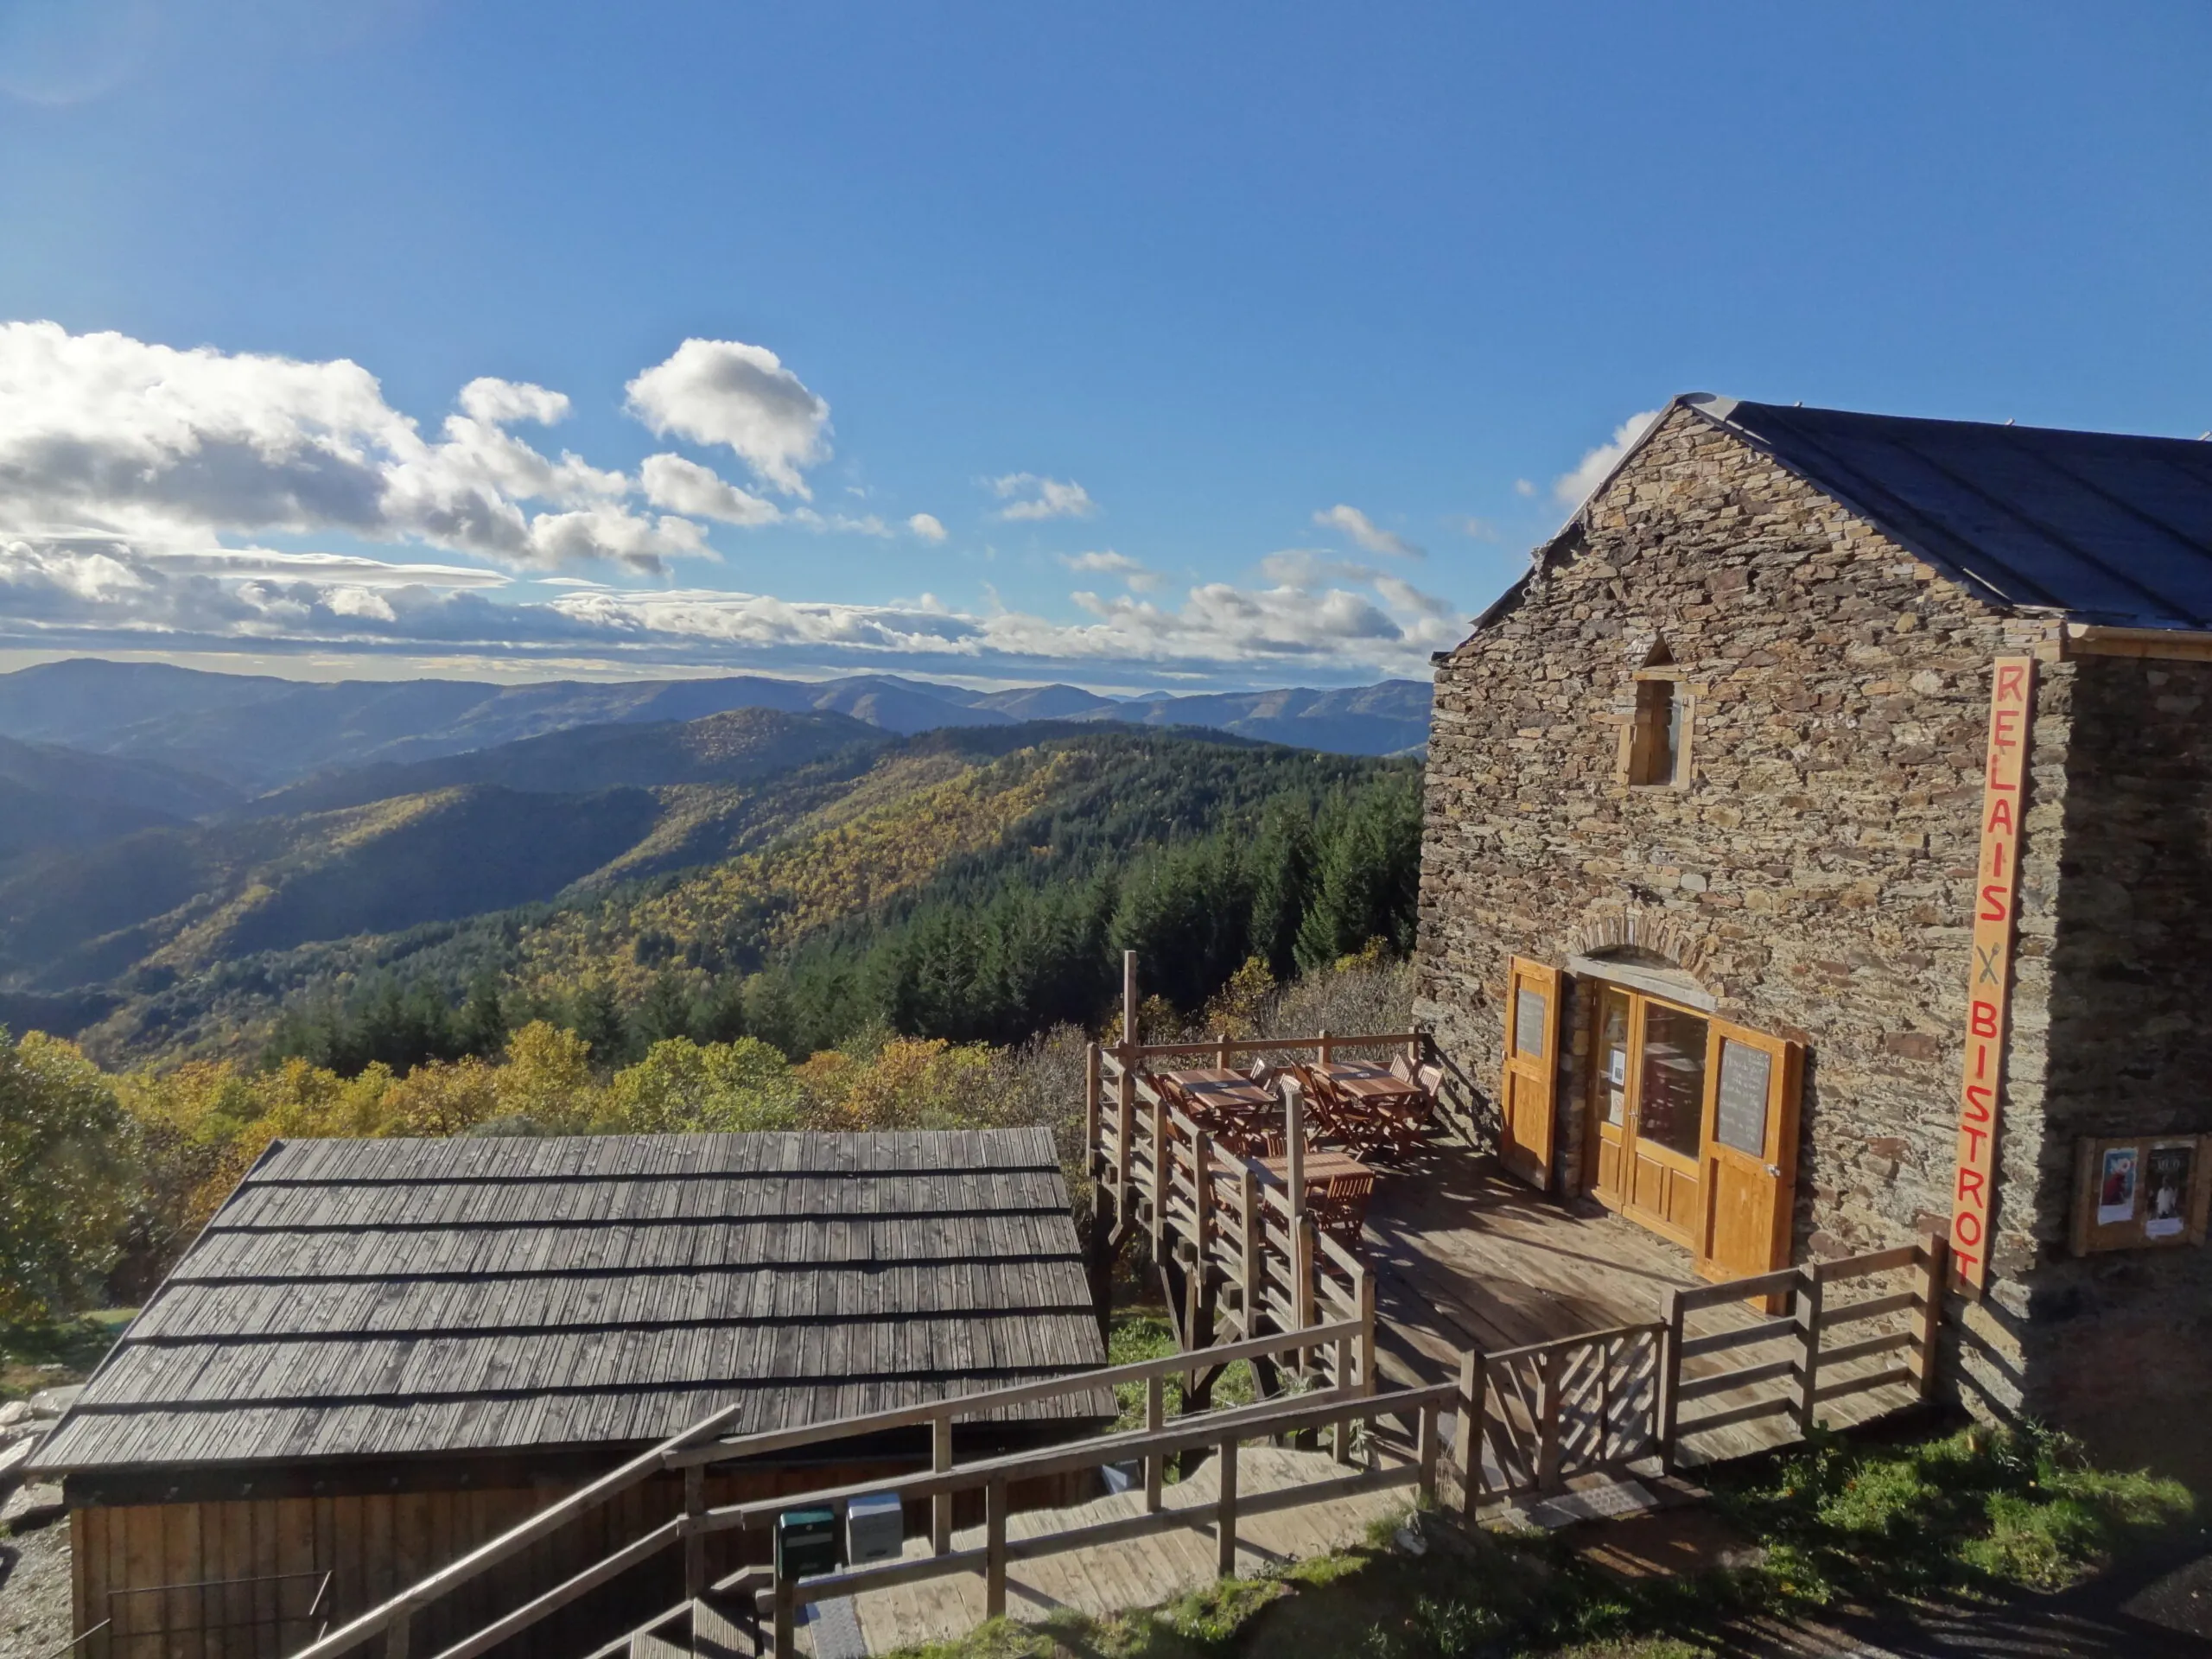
(1163, 1176)
(941, 1503)
(1221, 1052)
(695, 1541)
(1326, 1045)
(396, 1633)
(1348, 1387)
(1474, 1383)
(1247, 1197)
(1129, 998)
(1670, 1374)
(1366, 1332)
(1294, 1153)
(1125, 1132)
(786, 1617)
(995, 1549)
(1548, 1412)
(1935, 1254)
(1809, 1288)
(1428, 1449)
(1225, 1511)
(1155, 1463)
(1202, 1174)
(1302, 1283)
(1095, 1158)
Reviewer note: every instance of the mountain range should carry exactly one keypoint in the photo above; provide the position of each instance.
(253, 733)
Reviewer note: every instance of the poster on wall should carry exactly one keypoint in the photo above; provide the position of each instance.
(2134, 1192)
(2170, 1174)
(2116, 1187)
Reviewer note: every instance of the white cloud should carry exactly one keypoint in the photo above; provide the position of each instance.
(1524, 486)
(1031, 497)
(724, 391)
(1480, 529)
(1365, 533)
(927, 526)
(1572, 489)
(502, 403)
(685, 486)
(1133, 572)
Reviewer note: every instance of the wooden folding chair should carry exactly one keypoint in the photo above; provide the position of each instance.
(1341, 1210)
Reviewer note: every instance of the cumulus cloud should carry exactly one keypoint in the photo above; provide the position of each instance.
(1572, 489)
(685, 486)
(1365, 533)
(1133, 572)
(741, 397)
(927, 526)
(1028, 496)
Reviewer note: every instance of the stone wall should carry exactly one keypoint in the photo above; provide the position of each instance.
(2118, 1333)
(1816, 874)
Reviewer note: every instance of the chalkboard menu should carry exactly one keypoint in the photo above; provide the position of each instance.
(1740, 1115)
(1529, 1021)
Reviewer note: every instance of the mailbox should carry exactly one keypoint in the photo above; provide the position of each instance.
(806, 1543)
(876, 1529)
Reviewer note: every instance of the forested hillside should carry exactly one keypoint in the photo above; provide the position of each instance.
(795, 877)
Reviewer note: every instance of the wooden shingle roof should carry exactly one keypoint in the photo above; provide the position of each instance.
(399, 1298)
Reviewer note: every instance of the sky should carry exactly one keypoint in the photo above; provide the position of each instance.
(1175, 348)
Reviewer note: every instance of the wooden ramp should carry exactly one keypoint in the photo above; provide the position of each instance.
(1136, 1572)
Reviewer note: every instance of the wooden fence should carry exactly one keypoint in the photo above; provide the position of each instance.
(1750, 1368)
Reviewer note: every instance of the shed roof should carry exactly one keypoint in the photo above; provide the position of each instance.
(2106, 527)
(397, 1298)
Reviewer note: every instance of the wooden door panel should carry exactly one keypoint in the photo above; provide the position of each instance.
(1752, 1083)
(1528, 1090)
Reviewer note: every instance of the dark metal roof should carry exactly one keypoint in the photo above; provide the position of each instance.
(398, 1298)
(2108, 528)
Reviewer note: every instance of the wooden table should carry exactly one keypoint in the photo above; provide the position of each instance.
(1368, 1106)
(1320, 1167)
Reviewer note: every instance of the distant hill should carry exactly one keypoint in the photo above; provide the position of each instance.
(52, 796)
(725, 748)
(257, 732)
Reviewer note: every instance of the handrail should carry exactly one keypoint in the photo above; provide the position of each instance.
(1263, 1045)
(962, 1405)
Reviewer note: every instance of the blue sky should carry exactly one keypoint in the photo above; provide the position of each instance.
(1224, 345)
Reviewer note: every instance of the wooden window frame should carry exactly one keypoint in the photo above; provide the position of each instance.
(1684, 701)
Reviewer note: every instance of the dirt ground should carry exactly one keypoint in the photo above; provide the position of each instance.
(34, 1592)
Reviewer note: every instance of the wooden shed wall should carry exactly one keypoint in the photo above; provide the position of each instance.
(376, 1544)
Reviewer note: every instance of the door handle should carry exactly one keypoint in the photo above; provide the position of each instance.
(1775, 1170)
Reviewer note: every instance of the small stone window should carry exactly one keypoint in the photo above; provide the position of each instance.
(1656, 748)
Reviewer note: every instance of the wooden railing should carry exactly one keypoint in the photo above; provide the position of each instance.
(1544, 1414)
(692, 1452)
(1229, 1220)
(1765, 1365)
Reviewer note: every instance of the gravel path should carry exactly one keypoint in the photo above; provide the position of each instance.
(34, 1592)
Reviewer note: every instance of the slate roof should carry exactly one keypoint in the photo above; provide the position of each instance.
(2109, 529)
(383, 1297)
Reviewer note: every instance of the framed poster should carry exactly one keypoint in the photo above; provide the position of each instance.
(2141, 1192)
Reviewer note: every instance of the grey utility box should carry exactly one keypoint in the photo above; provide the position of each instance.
(876, 1529)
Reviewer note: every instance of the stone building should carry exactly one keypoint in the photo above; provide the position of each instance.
(1705, 833)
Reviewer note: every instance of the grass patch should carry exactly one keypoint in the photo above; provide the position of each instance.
(35, 1357)
(1980, 1510)
(1139, 1336)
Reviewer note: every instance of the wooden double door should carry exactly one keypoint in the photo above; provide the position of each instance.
(1692, 1121)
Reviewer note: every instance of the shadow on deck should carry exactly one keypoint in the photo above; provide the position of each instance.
(1465, 1256)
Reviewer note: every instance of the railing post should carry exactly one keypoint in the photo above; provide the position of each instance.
(1163, 1175)
(1302, 1283)
(1670, 1375)
(1428, 1450)
(1934, 1251)
(995, 1549)
(1474, 1383)
(1347, 1388)
(1548, 1414)
(1155, 1463)
(1221, 1052)
(1247, 1197)
(1326, 1045)
(1095, 1157)
(1125, 1127)
(941, 1503)
(695, 1536)
(786, 1616)
(1225, 1511)
(396, 1632)
(1366, 1332)
(1809, 1291)
(1202, 1177)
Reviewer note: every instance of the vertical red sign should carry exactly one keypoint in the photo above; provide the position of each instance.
(1989, 976)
